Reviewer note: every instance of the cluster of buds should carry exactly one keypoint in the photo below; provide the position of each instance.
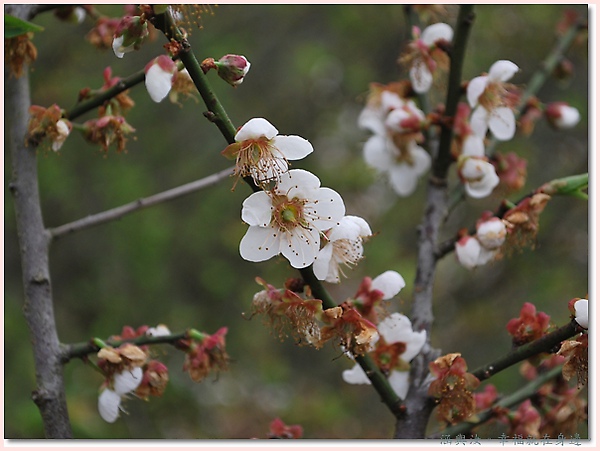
(288, 313)
(119, 104)
(522, 221)
(47, 123)
(453, 388)
(529, 326)
(108, 130)
(204, 353)
(484, 246)
(511, 170)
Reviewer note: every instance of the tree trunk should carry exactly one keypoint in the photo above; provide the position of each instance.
(33, 243)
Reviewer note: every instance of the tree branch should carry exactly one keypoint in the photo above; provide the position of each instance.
(119, 212)
(418, 403)
(33, 241)
(216, 113)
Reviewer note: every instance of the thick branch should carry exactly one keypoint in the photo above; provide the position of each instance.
(544, 344)
(418, 403)
(119, 212)
(33, 242)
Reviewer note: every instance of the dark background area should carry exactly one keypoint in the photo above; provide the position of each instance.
(178, 263)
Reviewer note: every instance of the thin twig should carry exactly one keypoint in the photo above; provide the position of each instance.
(119, 212)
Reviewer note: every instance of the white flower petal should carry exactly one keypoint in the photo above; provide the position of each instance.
(260, 244)
(403, 179)
(491, 233)
(399, 382)
(158, 82)
(484, 186)
(581, 312)
(159, 331)
(127, 380)
(436, 32)
(502, 123)
(389, 283)
(365, 229)
(256, 128)
(293, 147)
(300, 246)
(473, 146)
(298, 183)
(503, 70)
(420, 77)
(116, 45)
(475, 88)
(355, 375)
(347, 229)
(421, 159)
(256, 209)
(467, 251)
(479, 121)
(108, 405)
(371, 119)
(321, 266)
(327, 208)
(376, 154)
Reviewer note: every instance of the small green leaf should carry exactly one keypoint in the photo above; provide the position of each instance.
(13, 26)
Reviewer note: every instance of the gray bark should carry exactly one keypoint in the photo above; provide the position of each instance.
(49, 394)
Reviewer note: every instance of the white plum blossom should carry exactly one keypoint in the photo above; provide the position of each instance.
(263, 154)
(402, 164)
(562, 116)
(395, 329)
(406, 118)
(373, 115)
(344, 246)
(471, 253)
(581, 312)
(124, 382)
(289, 219)
(478, 175)
(160, 74)
(488, 95)
(389, 283)
(424, 65)
(491, 233)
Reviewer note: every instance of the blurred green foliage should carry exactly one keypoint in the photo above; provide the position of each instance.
(178, 263)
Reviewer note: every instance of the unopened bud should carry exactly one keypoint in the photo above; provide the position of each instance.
(562, 116)
(233, 68)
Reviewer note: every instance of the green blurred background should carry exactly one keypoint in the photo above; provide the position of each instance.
(178, 263)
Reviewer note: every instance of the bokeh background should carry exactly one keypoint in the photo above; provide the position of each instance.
(178, 263)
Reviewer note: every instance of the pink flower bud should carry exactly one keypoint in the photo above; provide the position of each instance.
(232, 68)
(131, 32)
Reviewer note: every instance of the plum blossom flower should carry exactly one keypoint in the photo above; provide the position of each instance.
(47, 123)
(562, 116)
(492, 101)
(160, 75)
(478, 175)
(389, 283)
(404, 164)
(371, 292)
(382, 100)
(529, 326)
(289, 219)
(425, 56)
(159, 331)
(344, 246)
(491, 232)
(263, 154)
(471, 253)
(109, 401)
(398, 344)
